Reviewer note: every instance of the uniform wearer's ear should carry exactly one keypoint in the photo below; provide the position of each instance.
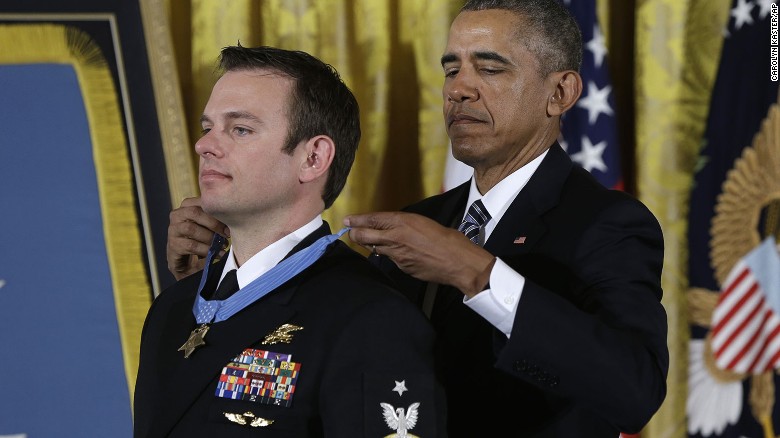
(319, 155)
(567, 87)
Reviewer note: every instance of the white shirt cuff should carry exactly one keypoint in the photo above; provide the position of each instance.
(498, 304)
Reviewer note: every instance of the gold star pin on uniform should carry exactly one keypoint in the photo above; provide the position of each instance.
(195, 340)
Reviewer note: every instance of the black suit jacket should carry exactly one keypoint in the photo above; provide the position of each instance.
(361, 340)
(587, 356)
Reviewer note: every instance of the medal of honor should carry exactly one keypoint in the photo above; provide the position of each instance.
(195, 340)
(214, 311)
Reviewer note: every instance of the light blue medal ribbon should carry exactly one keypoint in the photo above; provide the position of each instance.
(207, 311)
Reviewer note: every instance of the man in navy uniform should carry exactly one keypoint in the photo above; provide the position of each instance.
(339, 352)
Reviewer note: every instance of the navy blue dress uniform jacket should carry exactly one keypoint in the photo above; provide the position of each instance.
(362, 344)
(587, 356)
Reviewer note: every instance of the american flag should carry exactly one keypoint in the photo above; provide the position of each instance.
(745, 323)
(589, 132)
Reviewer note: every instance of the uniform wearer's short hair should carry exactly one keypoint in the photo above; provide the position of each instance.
(320, 104)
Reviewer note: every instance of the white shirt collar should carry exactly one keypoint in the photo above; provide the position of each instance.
(498, 199)
(269, 256)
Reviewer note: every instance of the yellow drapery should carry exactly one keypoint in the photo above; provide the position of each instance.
(678, 47)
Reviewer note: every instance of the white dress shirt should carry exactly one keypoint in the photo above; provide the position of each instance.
(269, 256)
(499, 303)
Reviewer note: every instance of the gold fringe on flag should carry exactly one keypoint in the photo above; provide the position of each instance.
(52, 43)
(762, 400)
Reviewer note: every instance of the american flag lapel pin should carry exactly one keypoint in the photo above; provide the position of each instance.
(519, 240)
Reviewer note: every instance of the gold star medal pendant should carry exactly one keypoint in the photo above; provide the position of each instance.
(204, 311)
(205, 315)
(208, 311)
(195, 340)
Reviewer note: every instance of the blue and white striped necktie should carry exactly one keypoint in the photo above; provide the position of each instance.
(475, 219)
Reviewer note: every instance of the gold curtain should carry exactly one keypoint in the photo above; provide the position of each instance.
(387, 51)
(678, 45)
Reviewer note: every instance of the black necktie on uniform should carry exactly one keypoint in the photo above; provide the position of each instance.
(476, 217)
(227, 287)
